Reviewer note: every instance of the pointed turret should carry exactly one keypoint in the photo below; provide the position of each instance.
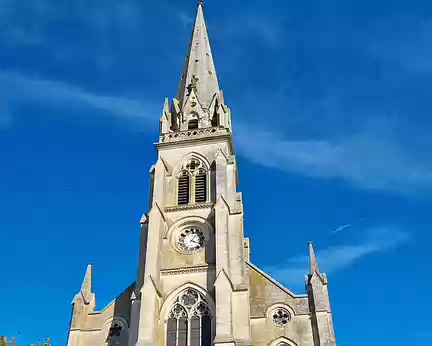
(199, 72)
(165, 120)
(313, 264)
(84, 302)
(86, 287)
(319, 303)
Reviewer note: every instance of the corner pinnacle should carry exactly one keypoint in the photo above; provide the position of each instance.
(312, 260)
(86, 288)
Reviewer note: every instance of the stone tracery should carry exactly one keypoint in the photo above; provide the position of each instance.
(189, 320)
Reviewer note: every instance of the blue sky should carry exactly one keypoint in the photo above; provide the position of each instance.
(332, 124)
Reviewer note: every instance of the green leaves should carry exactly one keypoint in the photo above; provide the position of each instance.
(4, 341)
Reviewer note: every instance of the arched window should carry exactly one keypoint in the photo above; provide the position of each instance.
(183, 188)
(193, 183)
(189, 321)
(201, 186)
(193, 124)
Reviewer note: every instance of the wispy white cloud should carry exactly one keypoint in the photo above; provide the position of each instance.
(366, 160)
(341, 228)
(185, 18)
(335, 258)
(17, 88)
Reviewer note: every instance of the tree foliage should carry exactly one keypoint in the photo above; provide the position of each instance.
(5, 341)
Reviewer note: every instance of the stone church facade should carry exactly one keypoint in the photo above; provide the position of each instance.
(195, 284)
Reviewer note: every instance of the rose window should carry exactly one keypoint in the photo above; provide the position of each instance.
(115, 330)
(281, 317)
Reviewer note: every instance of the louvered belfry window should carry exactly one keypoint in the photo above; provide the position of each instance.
(183, 188)
(201, 187)
(193, 124)
(192, 183)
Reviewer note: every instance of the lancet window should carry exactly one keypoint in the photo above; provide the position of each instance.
(193, 183)
(184, 188)
(189, 321)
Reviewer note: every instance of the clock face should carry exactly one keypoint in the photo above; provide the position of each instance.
(191, 240)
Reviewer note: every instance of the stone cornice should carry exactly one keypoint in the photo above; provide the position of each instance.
(188, 207)
(190, 270)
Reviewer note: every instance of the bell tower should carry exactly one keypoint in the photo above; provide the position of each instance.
(195, 284)
(192, 286)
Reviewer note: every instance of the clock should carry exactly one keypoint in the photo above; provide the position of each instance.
(191, 240)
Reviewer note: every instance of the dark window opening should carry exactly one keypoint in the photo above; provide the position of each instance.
(183, 189)
(172, 332)
(183, 332)
(193, 124)
(201, 187)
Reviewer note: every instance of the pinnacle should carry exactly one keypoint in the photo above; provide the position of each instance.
(313, 261)
(86, 288)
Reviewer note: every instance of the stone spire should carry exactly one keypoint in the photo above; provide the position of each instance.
(199, 72)
(86, 288)
(312, 260)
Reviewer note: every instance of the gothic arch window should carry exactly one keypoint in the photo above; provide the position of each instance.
(183, 196)
(189, 321)
(193, 183)
(201, 186)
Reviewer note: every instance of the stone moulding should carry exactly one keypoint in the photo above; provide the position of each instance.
(186, 270)
(198, 133)
(188, 207)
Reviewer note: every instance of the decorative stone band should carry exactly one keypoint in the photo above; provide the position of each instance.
(193, 134)
(188, 207)
(181, 271)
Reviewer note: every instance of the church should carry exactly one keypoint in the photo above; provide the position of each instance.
(195, 284)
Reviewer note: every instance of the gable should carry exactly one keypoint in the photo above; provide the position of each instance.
(265, 292)
(119, 307)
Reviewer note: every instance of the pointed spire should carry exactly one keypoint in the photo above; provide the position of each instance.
(312, 260)
(199, 72)
(86, 288)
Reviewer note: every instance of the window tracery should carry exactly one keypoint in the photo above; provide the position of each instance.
(115, 330)
(192, 183)
(281, 317)
(189, 321)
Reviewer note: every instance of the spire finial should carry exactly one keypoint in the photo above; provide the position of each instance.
(312, 260)
(200, 2)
